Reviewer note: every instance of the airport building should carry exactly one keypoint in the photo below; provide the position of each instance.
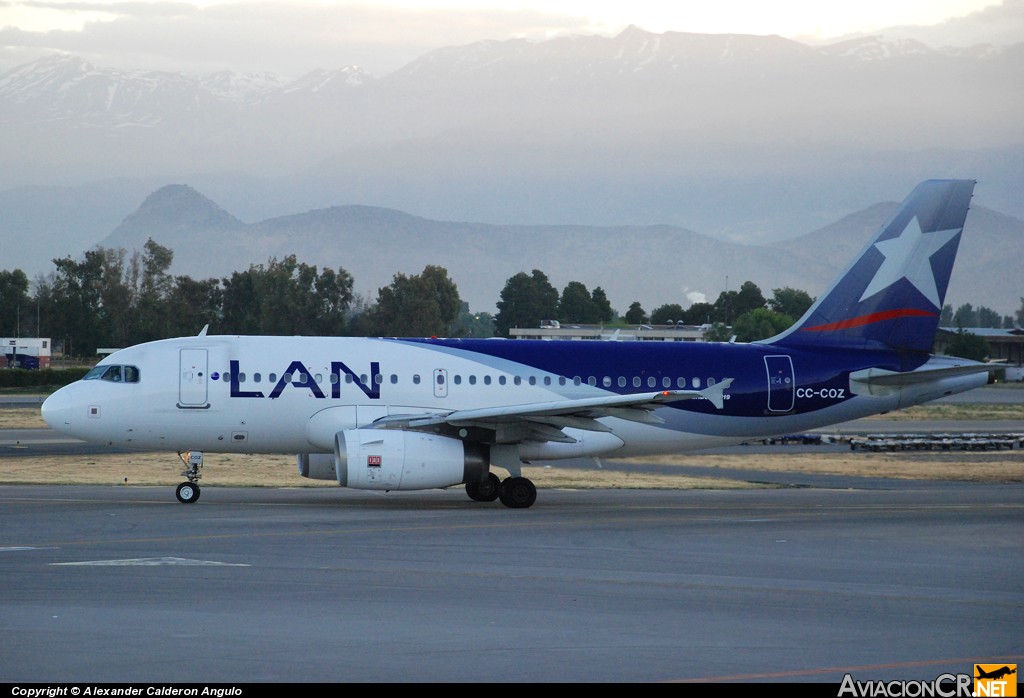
(25, 352)
(1004, 346)
(659, 333)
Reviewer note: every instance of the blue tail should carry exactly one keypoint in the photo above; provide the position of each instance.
(892, 294)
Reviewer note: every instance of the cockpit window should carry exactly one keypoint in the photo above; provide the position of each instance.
(114, 374)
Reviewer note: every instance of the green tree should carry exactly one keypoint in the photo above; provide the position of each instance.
(636, 314)
(14, 302)
(790, 301)
(731, 304)
(946, 316)
(718, 332)
(74, 309)
(760, 323)
(699, 313)
(155, 317)
(988, 317)
(576, 304)
(192, 305)
(470, 324)
(526, 299)
(424, 305)
(285, 297)
(670, 313)
(967, 345)
(965, 316)
(605, 313)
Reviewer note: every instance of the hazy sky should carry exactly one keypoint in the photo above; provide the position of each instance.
(292, 38)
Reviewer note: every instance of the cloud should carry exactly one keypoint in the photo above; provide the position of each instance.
(288, 38)
(696, 297)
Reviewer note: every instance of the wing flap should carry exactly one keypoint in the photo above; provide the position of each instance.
(544, 421)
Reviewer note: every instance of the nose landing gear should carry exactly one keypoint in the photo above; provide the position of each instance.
(188, 492)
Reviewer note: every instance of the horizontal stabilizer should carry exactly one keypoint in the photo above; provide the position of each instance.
(879, 376)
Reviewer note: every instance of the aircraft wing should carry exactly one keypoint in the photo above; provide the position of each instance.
(544, 421)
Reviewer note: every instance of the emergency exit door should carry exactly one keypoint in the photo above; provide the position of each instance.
(781, 384)
(192, 378)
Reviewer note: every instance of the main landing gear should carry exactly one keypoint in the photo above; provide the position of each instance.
(188, 492)
(514, 492)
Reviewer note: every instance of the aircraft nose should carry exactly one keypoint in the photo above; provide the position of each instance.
(56, 409)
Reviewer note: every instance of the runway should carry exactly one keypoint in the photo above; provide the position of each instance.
(249, 586)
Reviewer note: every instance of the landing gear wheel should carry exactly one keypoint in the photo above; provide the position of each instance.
(517, 493)
(485, 490)
(187, 492)
(489, 488)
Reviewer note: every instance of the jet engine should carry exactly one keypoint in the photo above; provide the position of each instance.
(383, 459)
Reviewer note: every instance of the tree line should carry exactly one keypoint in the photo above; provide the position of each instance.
(110, 299)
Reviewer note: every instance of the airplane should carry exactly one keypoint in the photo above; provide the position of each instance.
(424, 413)
(995, 674)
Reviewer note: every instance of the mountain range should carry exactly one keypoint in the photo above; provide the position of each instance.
(655, 264)
(751, 140)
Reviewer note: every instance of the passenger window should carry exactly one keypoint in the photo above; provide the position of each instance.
(607, 382)
(378, 379)
(472, 380)
(622, 381)
(576, 380)
(457, 379)
(533, 380)
(666, 382)
(394, 379)
(256, 378)
(591, 381)
(416, 378)
(487, 380)
(501, 380)
(241, 377)
(636, 381)
(349, 378)
(696, 382)
(652, 382)
(272, 378)
(319, 378)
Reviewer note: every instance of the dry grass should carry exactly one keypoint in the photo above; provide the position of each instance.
(956, 411)
(21, 418)
(280, 471)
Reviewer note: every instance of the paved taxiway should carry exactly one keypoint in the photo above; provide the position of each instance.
(270, 585)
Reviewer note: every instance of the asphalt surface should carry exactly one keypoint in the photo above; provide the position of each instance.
(823, 576)
(256, 586)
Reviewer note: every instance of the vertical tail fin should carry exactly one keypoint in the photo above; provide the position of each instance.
(892, 294)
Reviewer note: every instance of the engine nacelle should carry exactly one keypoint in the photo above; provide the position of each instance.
(382, 459)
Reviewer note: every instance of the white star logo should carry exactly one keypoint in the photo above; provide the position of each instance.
(908, 256)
